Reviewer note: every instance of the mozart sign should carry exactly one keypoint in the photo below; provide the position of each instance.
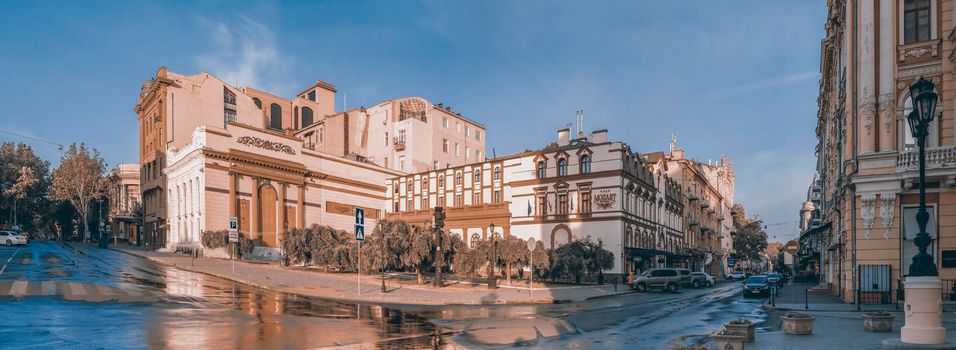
(605, 199)
(251, 141)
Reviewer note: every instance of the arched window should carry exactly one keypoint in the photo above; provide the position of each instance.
(425, 185)
(907, 140)
(541, 170)
(441, 181)
(275, 119)
(497, 173)
(585, 164)
(562, 167)
(306, 116)
(477, 176)
(475, 238)
(258, 102)
(458, 178)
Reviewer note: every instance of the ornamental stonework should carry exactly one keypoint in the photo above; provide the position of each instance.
(265, 144)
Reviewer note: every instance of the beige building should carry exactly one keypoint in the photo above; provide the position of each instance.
(581, 186)
(212, 151)
(872, 52)
(124, 199)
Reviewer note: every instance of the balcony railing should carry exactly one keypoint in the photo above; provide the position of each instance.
(936, 157)
(399, 144)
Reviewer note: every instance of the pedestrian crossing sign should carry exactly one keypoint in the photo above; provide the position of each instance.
(359, 232)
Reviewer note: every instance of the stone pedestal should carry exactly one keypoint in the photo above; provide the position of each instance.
(923, 311)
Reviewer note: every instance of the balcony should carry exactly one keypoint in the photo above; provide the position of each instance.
(704, 205)
(936, 157)
(693, 222)
(399, 144)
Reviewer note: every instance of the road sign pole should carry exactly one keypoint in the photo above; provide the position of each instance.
(358, 270)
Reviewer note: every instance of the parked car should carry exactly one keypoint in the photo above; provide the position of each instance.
(704, 279)
(10, 238)
(686, 280)
(756, 286)
(737, 275)
(665, 279)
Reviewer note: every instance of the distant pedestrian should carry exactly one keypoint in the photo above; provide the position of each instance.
(614, 279)
(630, 278)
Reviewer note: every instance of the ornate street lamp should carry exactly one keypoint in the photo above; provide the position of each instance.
(924, 108)
(492, 278)
(923, 306)
(439, 218)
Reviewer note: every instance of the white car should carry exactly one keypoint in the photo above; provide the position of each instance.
(10, 238)
(709, 280)
(737, 275)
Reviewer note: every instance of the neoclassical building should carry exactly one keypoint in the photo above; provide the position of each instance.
(124, 197)
(867, 168)
(210, 151)
(578, 187)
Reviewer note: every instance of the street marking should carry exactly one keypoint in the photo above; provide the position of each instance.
(4, 268)
(76, 288)
(19, 288)
(48, 287)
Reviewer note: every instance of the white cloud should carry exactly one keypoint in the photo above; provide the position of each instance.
(244, 53)
(752, 87)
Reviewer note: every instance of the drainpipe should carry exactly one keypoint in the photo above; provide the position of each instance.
(856, 146)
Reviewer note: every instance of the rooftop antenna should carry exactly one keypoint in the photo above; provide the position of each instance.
(493, 154)
(673, 141)
(580, 123)
(345, 101)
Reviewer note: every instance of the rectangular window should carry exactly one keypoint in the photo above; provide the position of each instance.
(229, 116)
(397, 207)
(458, 127)
(478, 155)
(444, 122)
(435, 166)
(467, 152)
(401, 163)
(476, 198)
(585, 206)
(477, 135)
(467, 133)
(457, 150)
(401, 136)
(444, 145)
(916, 21)
(541, 202)
(312, 95)
(562, 203)
(425, 203)
(496, 197)
(458, 200)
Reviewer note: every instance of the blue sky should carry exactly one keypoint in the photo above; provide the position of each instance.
(729, 77)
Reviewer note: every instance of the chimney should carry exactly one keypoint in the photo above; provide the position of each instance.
(677, 154)
(440, 105)
(599, 136)
(564, 136)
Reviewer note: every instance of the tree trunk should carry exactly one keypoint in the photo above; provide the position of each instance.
(508, 271)
(420, 274)
(86, 227)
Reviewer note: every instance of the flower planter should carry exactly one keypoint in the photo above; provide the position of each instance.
(878, 321)
(727, 340)
(797, 324)
(742, 327)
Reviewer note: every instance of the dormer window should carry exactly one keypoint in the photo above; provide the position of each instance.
(541, 170)
(312, 95)
(563, 167)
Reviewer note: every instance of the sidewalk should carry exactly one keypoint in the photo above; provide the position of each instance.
(837, 325)
(345, 286)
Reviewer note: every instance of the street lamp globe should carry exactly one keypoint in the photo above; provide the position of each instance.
(924, 106)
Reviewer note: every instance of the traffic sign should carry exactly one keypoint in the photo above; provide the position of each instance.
(359, 232)
(359, 216)
(731, 260)
(792, 247)
(359, 224)
(233, 229)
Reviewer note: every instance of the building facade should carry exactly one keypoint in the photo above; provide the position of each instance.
(575, 188)
(124, 201)
(867, 168)
(403, 134)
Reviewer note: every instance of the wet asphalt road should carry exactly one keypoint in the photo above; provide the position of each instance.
(55, 295)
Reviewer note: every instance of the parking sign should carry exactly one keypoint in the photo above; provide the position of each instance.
(233, 229)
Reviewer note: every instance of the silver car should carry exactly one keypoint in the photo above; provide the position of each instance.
(666, 279)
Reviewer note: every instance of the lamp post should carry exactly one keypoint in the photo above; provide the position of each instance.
(384, 256)
(492, 279)
(439, 218)
(923, 305)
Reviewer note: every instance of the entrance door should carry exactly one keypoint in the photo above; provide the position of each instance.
(267, 215)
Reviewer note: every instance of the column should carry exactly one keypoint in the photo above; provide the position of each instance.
(232, 195)
(301, 207)
(887, 97)
(254, 208)
(867, 77)
(282, 220)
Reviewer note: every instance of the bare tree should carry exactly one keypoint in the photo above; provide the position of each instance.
(18, 191)
(79, 179)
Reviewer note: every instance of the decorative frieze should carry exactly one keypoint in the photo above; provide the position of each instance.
(868, 111)
(868, 211)
(887, 109)
(887, 210)
(265, 144)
